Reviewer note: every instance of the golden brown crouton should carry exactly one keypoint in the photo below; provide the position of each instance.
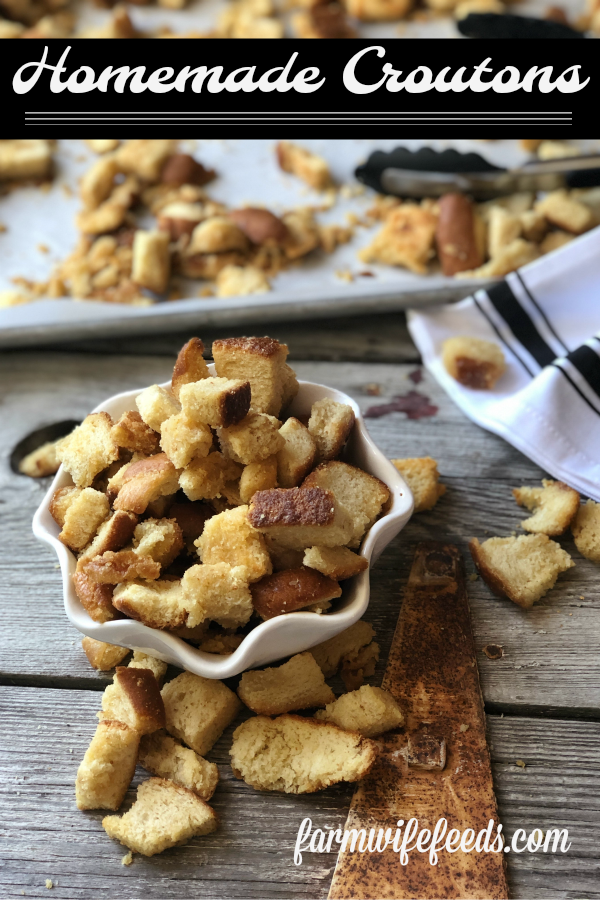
(97, 183)
(151, 264)
(83, 512)
(143, 661)
(198, 710)
(291, 386)
(156, 404)
(61, 500)
(335, 562)
(231, 539)
(291, 590)
(164, 815)
(161, 755)
(422, 476)
(205, 479)
(301, 517)
(113, 534)
(406, 239)
(521, 568)
(41, 462)
(218, 592)
(124, 565)
(216, 401)
(254, 439)
(184, 440)
(217, 234)
(261, 361)
(472, 362)
(241, 281)
(360, 495)
(297, 456)
(158, 604)
(95, 598)
(510, 257)
(145, 481)
(554, 506)
(191, 518)
(586, 530)
(158, 539)
(309, 167)
(332, 653)
(297, 684)
(330, 425)
(303, 233)
(555, 240)
(145, 158)
(134, 699)
(107, 767)
(258, 476)
(103, 656)
(89, 449)
(132, 433)
(370, 711)
(189, 366)
(25, 159)
(565, 212)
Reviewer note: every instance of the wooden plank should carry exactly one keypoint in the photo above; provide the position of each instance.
(431, 671)
(551, 663)
(42, 835)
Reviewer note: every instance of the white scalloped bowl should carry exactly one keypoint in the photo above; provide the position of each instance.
(276, 638)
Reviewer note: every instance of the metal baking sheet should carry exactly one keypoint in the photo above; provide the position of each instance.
(40, 230)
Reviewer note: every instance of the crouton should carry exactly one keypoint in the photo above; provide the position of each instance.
(115, 475)
(472, 362)
(296, 458)
(521, 568)
(370, 711)
(189, 366)
(107, 767)
(555, 240)
(241, 281)
(41, 462)
(95, 598)
(406, 239)
(504, 227)
(219, 592)
(145, 481)
(164, 815)
(291, 386)
(254, 439)
(297, 684)
(143, 661)
(103, 656)
(204, 479)
(510, 257)
(301, 517)
(25, 158)
(216, 401)
(158, 604)
(291, 590)
(198, 710)
(309, 167)
(151, 263)
(554, 506)
(156, 404)
(191, 518)
(218, 234)
(360, 665)
(330, 425)
(97, 183)
(331, 654)
(161, 755)
(298, 756)
(360, 495)
(258, 476)
(132, 433)
(102, 146)
(158, 539)
(230, 538)
(145, 158)
(261, 361)
(83, 511)
(123, 565)
(61, 500)
(335, 562)
(565, 212)
(422, 476)
(116, 531)
(134, 699)
(89, 449)
(586, 530)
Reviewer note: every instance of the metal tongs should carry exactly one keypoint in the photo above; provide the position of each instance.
(429, 173)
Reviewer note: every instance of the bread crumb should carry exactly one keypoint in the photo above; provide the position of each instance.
(49, 883)
(473, 576)
(373, 389)
(520, 763)
(127, 859)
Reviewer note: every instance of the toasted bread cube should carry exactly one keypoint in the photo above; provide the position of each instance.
(132, 433)
(258, 476)
(330, 425)
(146, 481)
(298, 756)
(124, 565)
(261, 361)
(158, 604)
(511, 257)
(143, 661)
(134, 699)
(25, 159)
(161, 755)
(472, 362)
(254, 439)
(205, 479)
(422, 476)
(158, 539)
(303, 233)
(521, 568)
(164, 815)
(219, 592)
(116, 475)
(296, 457)
(184, 440)
(216, 401)
(358, 666)
(107, 768)
(151, 264)
(331, 654)
(565, 212)
(504, 227)
(291, 590)
(156, 404)
(103, 656)
(191, 518)
(297, 684)
(41, 462)
(145, 158)
(406, 239)
(300, 517)
(361, 495)
(290, 386)
(230, 538)
(190, 365)
(198, 710)
(555, 240)
(217, 234)
(282, 557)
(113, 534)
(95, 598)
(335, 562)
(585, 528)
(309, 167)
(85, 512)
(61, 500)
(370, 711)
(554, 506)
(241, 281)
(89, 449)
(97, 183)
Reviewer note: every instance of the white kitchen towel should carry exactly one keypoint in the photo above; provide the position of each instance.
(546, 317)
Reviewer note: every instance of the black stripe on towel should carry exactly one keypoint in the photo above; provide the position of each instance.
(573, 385)
(541, 312)
(587, 363)
(506, 304)
(508, 347)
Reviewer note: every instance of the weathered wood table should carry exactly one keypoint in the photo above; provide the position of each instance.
(542, 697)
